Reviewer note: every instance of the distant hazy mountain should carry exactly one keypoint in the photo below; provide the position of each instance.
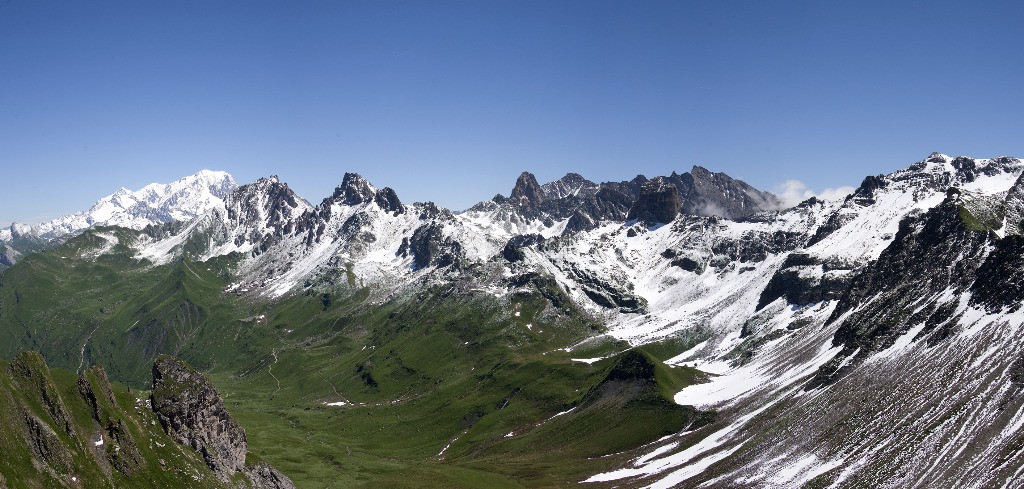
(155, 203)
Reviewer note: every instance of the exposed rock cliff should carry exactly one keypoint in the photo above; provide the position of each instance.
(191, 411)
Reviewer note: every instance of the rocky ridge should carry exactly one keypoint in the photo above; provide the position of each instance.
(192, 413)
(70, 431)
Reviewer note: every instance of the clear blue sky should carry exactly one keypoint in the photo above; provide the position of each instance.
(449, 101)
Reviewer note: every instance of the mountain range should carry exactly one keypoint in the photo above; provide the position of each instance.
(683, 330)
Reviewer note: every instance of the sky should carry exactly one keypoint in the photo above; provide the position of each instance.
(450, 101)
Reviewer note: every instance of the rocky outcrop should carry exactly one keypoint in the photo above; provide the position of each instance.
(755, 246)
(803, 280)
(354, 190)
(30, 372)
(94, 386)
(46, 444)
(387, 200)
(572, 184)
(262, 475)
(267, 202)
(585, 204)
(705, 193)
(1014, 208)
(658, 202)
(513, 250)
(606, 294)
(527, 192)
(191, 411)
(430, 247)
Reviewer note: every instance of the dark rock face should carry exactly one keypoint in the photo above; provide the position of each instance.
(658, 202)
(1000, 282)
(46, 445)
(127, 459)
(579, 222)
(866, 191)
(705, 193)
(97, 394)
(527, 192)
(354, 190)
(429, 210)
(688, 264)
(430, 247)
(633, 365)
(513, 249)
(387, 199)
(608, 295)
(266, 205)
(267, 198)
(611, 202)
(802, 280)
(930, 253)
(586, 204)
(352, 228)
(1014, 208)
(572, 184)
(755, 246)
(29, 371)
(192, 413)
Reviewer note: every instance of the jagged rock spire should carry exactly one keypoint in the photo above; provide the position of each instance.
(527, 192)
(354, 190)
(387, 199)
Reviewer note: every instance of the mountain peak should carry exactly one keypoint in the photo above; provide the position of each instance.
(570, 184)
(180, 200)
(697, 169)
(354, 190)
(388, 200)
(527, 192)
(706, 193)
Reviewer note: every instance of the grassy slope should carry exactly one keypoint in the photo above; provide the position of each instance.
(417, 373)
(78, 461)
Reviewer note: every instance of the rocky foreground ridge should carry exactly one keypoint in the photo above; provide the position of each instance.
(83, 432)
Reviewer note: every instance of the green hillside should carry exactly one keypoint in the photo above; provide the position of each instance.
(445, 368)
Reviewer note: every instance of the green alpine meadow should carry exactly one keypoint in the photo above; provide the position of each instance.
(447, 387)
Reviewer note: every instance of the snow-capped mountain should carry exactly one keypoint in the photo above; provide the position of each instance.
(907, 285)
(181, 200)
(870, 341)
(879, 349)
(371, 232)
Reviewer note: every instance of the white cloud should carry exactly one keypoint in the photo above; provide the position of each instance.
(711, 209)
(792, 192)
(837, 193)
